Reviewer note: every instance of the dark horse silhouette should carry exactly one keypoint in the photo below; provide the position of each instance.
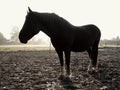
(64, 36)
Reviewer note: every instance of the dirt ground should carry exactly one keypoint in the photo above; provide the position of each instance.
(39, 70)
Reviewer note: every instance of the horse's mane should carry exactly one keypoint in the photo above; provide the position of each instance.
(52, 17)
(61, 20)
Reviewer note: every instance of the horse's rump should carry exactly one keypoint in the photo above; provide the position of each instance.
(85, 37)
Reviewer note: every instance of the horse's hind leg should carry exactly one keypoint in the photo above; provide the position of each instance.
(90, 55)
(94, 56)
(93, 53)
(90, 52)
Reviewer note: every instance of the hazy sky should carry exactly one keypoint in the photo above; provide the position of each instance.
(103, 13)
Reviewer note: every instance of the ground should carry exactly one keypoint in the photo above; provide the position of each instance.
(39, 70)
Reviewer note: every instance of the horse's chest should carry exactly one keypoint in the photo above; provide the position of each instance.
(63, 41)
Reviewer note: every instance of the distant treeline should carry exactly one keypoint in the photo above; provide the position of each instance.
(14, 40)
(115, 42)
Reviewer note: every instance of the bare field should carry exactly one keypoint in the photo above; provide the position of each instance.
(39, 70)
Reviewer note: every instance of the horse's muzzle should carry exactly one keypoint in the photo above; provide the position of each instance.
(22, 40)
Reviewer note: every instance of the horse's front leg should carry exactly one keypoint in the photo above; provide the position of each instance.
(60, 55)
(67, 60)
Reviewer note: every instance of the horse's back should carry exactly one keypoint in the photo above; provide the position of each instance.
(85, 37)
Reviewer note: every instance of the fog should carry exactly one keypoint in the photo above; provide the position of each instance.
(103, 13)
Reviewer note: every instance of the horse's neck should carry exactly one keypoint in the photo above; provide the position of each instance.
(47, 21)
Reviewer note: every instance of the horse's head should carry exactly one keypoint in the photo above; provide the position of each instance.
(30, 28)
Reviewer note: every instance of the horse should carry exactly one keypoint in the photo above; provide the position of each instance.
(65, 37)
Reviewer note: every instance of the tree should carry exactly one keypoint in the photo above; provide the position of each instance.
(2, 39)
(14, 35)
(117, 41)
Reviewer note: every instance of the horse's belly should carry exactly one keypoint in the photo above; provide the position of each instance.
(80, 48)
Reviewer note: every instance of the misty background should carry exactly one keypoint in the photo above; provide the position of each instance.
(103, 13)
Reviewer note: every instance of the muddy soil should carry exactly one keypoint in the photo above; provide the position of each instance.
(39, 70)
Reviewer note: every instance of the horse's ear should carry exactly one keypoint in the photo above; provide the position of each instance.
(27, 12)
(29, 9)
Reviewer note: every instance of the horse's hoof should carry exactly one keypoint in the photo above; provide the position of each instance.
(93, 71)
(64, 78)
(67, 79)
(61, 77)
